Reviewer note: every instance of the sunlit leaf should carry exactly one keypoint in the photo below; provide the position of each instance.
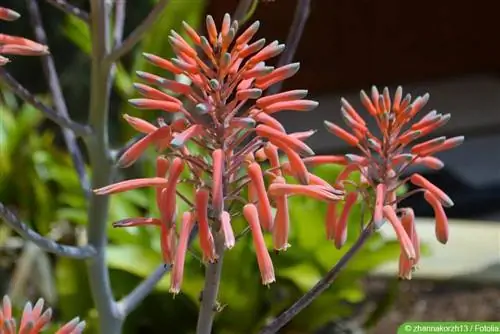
(72, 285)
(304, 276)
(134, 259)
(78, 32)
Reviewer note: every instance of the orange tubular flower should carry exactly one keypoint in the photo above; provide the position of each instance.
(13, 45)
(223, 111)
(383, 161)
(263, 259)
(206, 237)
(33, 320)
(407, 265)
(229, 239)
(180, 256)
(340, 233)
(263, 205)
(322, 193)
(281, 220)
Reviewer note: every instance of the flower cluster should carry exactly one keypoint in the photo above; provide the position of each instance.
(382, 163)
(225, 114)
(33, 320)
(15, 45)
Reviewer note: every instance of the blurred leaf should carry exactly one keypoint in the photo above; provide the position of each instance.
(23, 273)
(307, 220)
(46, 282)
(78, 32)
(134, 259)
(305, 275)
(123, 81)
(73, 288)
(76, 216)
(370, 258)
(170, 19)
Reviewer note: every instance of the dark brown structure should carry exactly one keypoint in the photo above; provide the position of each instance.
(352, 44)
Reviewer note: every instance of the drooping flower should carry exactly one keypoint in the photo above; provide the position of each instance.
(188, 220)
(383, 161)
(14, 45)
(263, 259)
(165, 183)
(224, 113)
(33, 320)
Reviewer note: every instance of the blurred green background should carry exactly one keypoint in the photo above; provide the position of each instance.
(38, 182)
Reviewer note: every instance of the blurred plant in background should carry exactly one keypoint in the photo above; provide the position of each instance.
(34, 319)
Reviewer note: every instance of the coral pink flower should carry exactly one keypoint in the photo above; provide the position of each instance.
(385, 158)
(206, 237)
(263, 259)
(166, 186)
(14, 45)
(340, 232)
(188, 221)
(263, 205)
(223, 112)
(33, 320)
(281, 219)
(407, 265)
(227, 230)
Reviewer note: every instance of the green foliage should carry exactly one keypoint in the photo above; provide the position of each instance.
(49, 199)
(37, 180)
(27, 150)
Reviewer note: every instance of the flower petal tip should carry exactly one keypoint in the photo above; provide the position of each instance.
(268, 281)
(447, 202)
(9, 14)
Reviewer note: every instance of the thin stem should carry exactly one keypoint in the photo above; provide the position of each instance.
(110, 321)
(134, 298)
(61, 120)
(320, 287)
(250, 11)
(252, 146)
(210, 291)
(70, 9)
(45, 244)
(239, 188)
(57, 95)
(405, 196)
(138, 32)
(243, 233)
(119, 26)
(301, 15)
(120, 13)
(242, 9)
(184, 198)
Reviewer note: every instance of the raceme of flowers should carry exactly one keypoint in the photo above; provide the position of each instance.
(226, 115)
(384, 159)
(33, 320)
(14, 45)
